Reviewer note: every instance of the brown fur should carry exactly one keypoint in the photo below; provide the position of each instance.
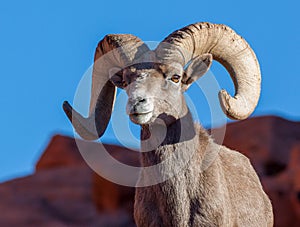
(215, 186)
(227, 193)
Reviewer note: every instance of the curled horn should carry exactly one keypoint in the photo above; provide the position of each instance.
(113, 51)
(226, 47)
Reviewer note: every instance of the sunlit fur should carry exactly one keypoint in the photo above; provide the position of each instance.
(216, 186)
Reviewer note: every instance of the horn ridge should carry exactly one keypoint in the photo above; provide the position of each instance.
(226, 47)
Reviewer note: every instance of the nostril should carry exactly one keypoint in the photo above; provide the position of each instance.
(138, 101)
(142, 100)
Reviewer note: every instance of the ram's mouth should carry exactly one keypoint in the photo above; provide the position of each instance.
(140, 118)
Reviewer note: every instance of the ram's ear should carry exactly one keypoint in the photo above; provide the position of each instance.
(197, 68)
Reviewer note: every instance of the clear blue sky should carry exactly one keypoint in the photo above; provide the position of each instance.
(46, 46)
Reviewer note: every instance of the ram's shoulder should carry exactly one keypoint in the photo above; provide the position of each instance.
(238, 165)
(229, 155)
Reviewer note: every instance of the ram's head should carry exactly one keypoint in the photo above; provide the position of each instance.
(155, 80)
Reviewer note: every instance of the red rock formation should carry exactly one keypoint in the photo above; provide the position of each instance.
(273, 146)
(107, 196)
(64, 191)
(294, 173)
(55, 197)
(267, 141)
(62, 151)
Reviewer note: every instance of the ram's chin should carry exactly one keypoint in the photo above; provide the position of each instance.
(141, 118)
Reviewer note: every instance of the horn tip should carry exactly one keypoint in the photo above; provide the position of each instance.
(68, 109)
(236, 108)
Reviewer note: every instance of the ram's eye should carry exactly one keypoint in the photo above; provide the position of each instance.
(175, 78)
(117, 80)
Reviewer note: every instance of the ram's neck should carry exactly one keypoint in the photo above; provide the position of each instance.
(178, 140)
(172, 179)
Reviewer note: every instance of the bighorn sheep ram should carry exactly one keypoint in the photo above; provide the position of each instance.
(225, 193)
